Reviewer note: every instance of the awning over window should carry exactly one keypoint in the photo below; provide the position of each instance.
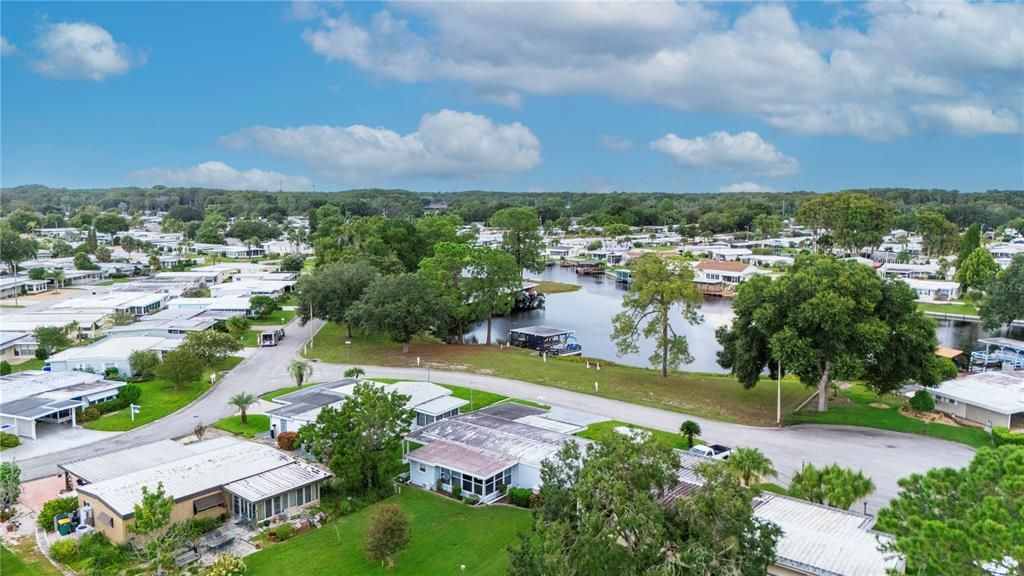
(207, 502)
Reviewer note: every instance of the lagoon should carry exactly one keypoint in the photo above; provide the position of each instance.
(589, 312)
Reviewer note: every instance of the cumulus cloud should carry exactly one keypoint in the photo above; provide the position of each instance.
(762, 63)
(447, 144)
(743, 153)
(81, 50)
(745, 187)
(7, 47)
(969, 119)
(614, 142)
(215, 174)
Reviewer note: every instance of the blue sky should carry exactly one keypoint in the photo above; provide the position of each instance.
(580, 96)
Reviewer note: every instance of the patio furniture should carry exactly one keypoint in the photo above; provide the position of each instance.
(219, 540)
(185, 559)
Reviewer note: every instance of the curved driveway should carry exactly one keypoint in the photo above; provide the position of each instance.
(884, 456)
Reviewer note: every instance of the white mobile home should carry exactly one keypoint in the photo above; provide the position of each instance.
(34, 396)
(108, 353)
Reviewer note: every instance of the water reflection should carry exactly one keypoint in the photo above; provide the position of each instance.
(589, 312)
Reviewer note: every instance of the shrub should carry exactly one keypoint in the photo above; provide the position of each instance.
(89, 414)
(1001, 436)
(457, 492)
(129, 393)
(54, 507)
(143, 363)
(287, 441)
(535, 500)
(9, 440)
(284, 531)
(472, 499)
(42, 354)
(520, 497)
(111, 373)
(922, 401)
(111, 405)
(102, 554)
(5, 368)
(226, 565)
(195, 527)
(65, 551)
(947, 369)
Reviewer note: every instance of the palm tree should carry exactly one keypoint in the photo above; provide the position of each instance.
(254, 241)
(300, 370)
(58, 278)
(690, 429)
(750, 465)
(355, 372)
(242, 401)
(832, 485)
(237, 325)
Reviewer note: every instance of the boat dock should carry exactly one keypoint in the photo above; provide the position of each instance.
(545, 340)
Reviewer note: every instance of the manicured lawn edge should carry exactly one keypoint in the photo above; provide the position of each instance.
(859, 412)
(600, 430)
(258, 424)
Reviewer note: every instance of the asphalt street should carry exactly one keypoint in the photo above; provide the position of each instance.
(884, 456)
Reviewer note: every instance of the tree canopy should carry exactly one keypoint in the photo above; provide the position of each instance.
(855, 220)
(521, 237)
(961, 522)
(1005, 301)
(400, 306)
(360, 439)
(827, 319)
(647, 308)
(977, 269)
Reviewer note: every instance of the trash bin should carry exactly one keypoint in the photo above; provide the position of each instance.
(64, 526)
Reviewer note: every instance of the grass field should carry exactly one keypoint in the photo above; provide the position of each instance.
(251, 338)
(159, 398)
(25, 560)
(5, 305)
(281, 392)
(552, 287)
(961, 308)
(709, 395)
(600, 430)
(854, 408)
(258, 424)
(275, 318)
(33, 364)
(477, 398)
(445, 535)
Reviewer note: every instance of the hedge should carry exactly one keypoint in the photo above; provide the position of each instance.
(9, 440)
(53, 508)
(520, 497)
(1001, 436)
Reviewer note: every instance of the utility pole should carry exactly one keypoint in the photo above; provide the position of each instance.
(778, 398)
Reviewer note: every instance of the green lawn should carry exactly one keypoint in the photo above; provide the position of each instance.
(258, 424)
(25, 561)
(33, 364)
(289, 300)
(552, 287)
(961, 308)
(854, 409)
(251, 338)
(710, 395)
(275, 318)
(159, 398)
(600, 430)
(281, 392)
(11, 306)
(445, 535)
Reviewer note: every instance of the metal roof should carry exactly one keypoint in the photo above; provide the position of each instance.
(825, 541)
(441, 405)
(477, 463)
(116, 347)
(189, 476)
(1001, 392)
(33, 394)
(543, 331)
(276, 481)
(114, 464)
(1003, 342)
(496, 437)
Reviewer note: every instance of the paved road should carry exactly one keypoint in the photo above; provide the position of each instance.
(263, 371)
(884, 456)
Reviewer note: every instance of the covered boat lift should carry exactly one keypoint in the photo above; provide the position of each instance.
(999, 352)
(545, 340)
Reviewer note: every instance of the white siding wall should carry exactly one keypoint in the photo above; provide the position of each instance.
(525, 476)
(426, 478)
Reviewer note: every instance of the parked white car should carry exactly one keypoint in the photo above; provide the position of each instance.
(714, 451)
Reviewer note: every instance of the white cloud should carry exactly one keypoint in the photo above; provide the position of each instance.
(7, 47)
(81, 50)
(447, 144)
(761, 63)
(614, 142)
(220, 175)
(745, 187)
(969, 119)
(743, 153)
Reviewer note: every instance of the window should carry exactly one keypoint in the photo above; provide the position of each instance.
(423, 468)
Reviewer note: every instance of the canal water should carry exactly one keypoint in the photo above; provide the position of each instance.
(589, 312)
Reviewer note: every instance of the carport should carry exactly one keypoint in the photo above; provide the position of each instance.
(35, 396)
